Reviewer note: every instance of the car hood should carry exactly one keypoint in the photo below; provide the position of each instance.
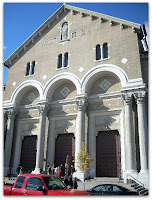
(67, 192)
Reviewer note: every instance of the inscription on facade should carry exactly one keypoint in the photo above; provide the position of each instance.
(78, 33)
(51, 41)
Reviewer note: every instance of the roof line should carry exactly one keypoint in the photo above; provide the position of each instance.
(102, 14)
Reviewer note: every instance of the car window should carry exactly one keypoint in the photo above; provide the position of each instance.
(33, 183)
(19, 182)
(109, 188)
(116, 189)
(99, 188)
(53, 183)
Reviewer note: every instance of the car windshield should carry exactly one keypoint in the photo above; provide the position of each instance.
(54, 183)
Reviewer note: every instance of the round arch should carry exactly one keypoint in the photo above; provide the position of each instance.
(104, 68)
(23, 86)
(68, 76)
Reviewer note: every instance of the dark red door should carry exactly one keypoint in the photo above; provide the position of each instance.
(28, 153)
(65, 145)
(108, 154)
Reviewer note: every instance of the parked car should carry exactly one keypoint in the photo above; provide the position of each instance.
(39, 184)
(111, 189)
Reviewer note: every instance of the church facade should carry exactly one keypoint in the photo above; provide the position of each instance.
(80, 77)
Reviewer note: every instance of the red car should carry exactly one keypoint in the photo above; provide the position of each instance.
(40, 184)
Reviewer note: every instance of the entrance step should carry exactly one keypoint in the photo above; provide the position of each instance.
(108, 179)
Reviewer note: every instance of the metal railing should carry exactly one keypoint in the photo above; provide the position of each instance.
(136, 180)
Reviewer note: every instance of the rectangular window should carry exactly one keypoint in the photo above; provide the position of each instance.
(60, 61)
(65, 59)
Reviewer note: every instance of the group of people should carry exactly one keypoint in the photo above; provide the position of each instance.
(65, 172)
(61, 170)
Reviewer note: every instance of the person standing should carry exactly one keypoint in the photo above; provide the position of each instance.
(18, 170)
(56, 171)
(47, 169)
(59, 172)
(66, 169)
(70, 182)
(52, 169)
(75, 185)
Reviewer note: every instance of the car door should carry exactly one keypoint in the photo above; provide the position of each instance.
(17, 190)
(35, 186)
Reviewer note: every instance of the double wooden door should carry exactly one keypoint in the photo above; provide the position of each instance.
(28, 153)
(64, 146)
(108, 154)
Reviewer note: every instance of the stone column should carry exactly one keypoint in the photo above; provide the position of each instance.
(51, 142)
(80, 129)
(4, 124)
(92, 145)
(143, 130)
(41, 139)
(9, 139)
(129, 135)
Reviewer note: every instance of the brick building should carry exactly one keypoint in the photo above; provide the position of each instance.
(81, 76)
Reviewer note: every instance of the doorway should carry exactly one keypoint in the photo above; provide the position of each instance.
(64, 146)
(108, 154)
(28, 153)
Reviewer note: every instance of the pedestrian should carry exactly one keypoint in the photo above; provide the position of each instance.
(21, 170)
(70, 182)
(18, 170)
(47, 169)
(59, 172)
(66, 169)
(75, 185)
(52, 169)
(56, 171)
(63, 169)
(66, 181)
(9, 172)
(72, 169)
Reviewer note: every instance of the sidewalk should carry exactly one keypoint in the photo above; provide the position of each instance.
(91, 183)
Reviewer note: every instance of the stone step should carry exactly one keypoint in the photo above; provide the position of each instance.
(108, 179)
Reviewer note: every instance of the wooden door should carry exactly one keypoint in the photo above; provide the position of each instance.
(28, 153)
(64, 146)
(108, 154)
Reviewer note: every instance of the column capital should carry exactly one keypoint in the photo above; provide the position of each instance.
(11, 113)
(140, 97)
(82, 104)
(43, 109)
(127, 98)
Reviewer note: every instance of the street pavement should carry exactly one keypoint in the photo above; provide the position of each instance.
(88, 184)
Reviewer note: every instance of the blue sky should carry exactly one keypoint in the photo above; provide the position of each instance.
(20, 20)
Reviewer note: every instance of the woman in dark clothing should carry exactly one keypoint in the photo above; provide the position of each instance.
(75, 185)
(71, 182)
(66, 181)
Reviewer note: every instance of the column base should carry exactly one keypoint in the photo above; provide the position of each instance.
(80, 175)
(36, 171)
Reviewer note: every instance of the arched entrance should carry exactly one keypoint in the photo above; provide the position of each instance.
(108, 154)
